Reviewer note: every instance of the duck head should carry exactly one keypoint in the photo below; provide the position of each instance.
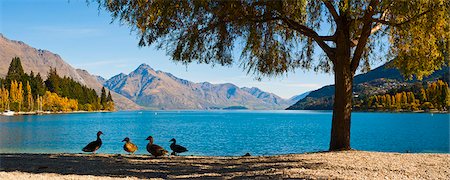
(126, 139)
(150, 138)
(173, 140)
(99, 133)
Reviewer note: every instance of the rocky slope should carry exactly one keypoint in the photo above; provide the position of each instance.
(161, 90)
(40, 61)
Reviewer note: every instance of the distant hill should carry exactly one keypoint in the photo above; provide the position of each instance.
(40, 61)
(377, 81)
(299, 97)
(161, 90)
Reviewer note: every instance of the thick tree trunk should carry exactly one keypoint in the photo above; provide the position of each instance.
(340, 128)
(343, 82)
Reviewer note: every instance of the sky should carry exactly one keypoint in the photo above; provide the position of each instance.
(86, 38)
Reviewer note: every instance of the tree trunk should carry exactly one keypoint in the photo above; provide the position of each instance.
(343, 83)
(342, 108)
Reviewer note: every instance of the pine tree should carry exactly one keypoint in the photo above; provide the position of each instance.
(15, 71)
(103, 98)
(109, 98)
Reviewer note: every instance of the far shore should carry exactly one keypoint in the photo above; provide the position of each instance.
(54, 112)
(321, 165)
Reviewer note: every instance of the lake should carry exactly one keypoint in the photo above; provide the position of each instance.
(223, 133)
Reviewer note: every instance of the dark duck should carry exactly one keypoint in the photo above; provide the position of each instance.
(129, 146)
(176, 148)
(94, 145)
(154, 149)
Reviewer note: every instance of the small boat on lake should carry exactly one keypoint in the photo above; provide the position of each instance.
(8, 113)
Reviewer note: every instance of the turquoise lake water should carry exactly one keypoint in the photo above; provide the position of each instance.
(223, 133)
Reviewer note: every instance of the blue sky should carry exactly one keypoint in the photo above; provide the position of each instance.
(85, 38)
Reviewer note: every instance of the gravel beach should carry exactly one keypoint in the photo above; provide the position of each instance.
(321, 165)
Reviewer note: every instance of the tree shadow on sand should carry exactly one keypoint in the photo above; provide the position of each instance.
(147, 167)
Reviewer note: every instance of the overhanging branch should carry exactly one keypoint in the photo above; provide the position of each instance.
(320, 40)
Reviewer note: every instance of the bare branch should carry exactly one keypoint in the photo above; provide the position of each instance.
(331, 8)
(312, 34)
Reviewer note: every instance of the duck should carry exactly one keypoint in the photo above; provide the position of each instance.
(94, 145)
(176, 148)
(129, 146)
(154, 149)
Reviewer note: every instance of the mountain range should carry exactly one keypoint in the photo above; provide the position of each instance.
(377, 81)
(161, 90)
(144, 88)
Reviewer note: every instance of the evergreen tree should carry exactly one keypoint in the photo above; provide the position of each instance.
(53, 81)
(15, 70)
(103, 98)
(109, 98)
(38, 85)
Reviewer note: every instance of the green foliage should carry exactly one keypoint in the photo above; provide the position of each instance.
(279, 36)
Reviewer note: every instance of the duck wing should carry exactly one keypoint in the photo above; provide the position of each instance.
(177, 148)
(92, 146)
(156, 150)
(130, 147)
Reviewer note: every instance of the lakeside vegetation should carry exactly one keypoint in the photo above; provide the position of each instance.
(22, 92)
(431, 96)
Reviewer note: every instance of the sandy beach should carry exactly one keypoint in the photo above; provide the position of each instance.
(324, 165)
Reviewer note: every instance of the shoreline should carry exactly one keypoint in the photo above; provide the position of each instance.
(319, 165)
(23, 113)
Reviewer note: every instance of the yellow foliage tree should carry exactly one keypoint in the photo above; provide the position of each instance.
(52, 102)
(29, 98)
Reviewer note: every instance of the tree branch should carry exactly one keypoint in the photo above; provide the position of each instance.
(365, 33)
(331, 8)
(320, 40)
(396, 24)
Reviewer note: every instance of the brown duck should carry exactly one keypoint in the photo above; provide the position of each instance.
(94, 145)
(176, 148)
(129, 146)
(154, 149)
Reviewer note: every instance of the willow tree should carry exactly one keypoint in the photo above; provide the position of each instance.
(277, 37)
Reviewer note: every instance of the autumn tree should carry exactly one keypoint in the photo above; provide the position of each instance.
(30, 101)
(277, 37)
(4, 98)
